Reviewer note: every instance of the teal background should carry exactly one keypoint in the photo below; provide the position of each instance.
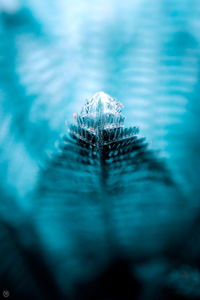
(53, 55)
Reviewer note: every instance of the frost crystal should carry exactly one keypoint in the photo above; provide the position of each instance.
(101, 122)
(101, 110)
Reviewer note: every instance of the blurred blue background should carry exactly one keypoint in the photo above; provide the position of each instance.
(53, 55)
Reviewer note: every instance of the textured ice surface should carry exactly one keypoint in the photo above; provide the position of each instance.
(101, 104)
